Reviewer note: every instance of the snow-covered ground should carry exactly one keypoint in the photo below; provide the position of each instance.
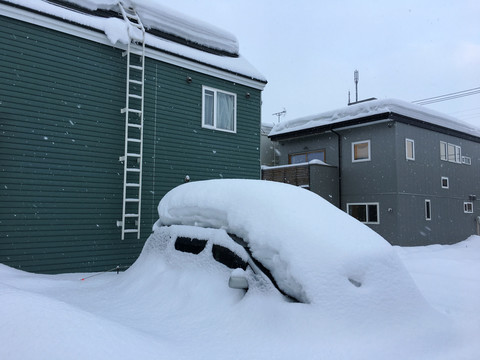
(177, 305)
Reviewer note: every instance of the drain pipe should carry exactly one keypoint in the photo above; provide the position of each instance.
(339, 145)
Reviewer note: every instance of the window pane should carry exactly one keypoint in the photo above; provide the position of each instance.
(225, 111)
(208, 107)
(468, 207)
(445, 182)
(359, 212)
(410, 149)
(372, 213)
(458, 154)
(317, 155)
(451, 152)
(428, 210)
(298, 158)
(443, 151)
(361, 151)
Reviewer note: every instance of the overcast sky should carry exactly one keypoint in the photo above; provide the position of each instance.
(308, 50)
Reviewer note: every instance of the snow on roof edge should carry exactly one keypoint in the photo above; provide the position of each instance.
(374, 107)
(116, 31)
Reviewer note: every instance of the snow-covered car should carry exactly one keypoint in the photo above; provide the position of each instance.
(278, 234)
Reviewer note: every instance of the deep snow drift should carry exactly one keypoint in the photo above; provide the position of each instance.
(177, 305)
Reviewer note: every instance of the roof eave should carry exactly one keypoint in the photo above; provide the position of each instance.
(368, 120)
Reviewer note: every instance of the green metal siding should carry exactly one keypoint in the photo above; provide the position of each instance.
(61, 134)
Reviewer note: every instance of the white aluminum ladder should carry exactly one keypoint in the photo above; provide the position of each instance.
(133, 110)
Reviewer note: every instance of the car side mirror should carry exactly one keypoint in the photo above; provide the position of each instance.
(238, 280)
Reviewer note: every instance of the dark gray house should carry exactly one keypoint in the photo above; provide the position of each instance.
(104, 110)
(411, 174)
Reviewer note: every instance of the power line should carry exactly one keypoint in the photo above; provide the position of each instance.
(445, 97)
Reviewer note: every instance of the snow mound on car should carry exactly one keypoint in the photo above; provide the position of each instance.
(316, 252)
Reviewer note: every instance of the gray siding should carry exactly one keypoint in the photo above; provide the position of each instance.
(421, 179)
(62, 134)
(373, 181)
(324, 182)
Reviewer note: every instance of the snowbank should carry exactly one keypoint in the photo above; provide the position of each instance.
(315, 251)
(178, 306)
(374, 107)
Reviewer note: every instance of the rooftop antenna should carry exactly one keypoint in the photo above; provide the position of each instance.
(355, 79)
(280, 114)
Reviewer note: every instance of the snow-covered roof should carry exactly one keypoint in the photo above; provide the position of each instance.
(167, 30)
(338, 117)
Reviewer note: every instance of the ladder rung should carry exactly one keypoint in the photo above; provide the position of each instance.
(135, 96)
(124, 110)
(132, 185)
(132, 200)
(136, 67)
(131, 215)
(130, 230)
(135, 125)
(134, 140)
(133, 155)
(133, 170)
(137, 52)
(135, 81)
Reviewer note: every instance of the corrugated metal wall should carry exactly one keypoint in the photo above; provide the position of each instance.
(61, 134)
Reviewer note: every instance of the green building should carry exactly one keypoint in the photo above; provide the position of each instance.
(102, 112)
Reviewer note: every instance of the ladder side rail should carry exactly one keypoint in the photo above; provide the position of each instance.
(125, 162)
(141, 132)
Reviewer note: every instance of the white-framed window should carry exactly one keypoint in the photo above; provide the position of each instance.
(466, 160)
(444, 182)
(410, 149)
(428, 209)
(367, 213)
(443, 151)
(468, 207)
(361, 151)
(219, 109)
(450, 152)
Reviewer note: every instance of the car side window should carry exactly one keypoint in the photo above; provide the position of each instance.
(227, 257)
(190, 245)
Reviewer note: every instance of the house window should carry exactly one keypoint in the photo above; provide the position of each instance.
(410, 149)
(450, 152)
(219, 110)
(468, 207)
(428, 210)
(466, 160)
(361, 151)
(367, 213)
(444, 182)
(306, 157)
(443, 151)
